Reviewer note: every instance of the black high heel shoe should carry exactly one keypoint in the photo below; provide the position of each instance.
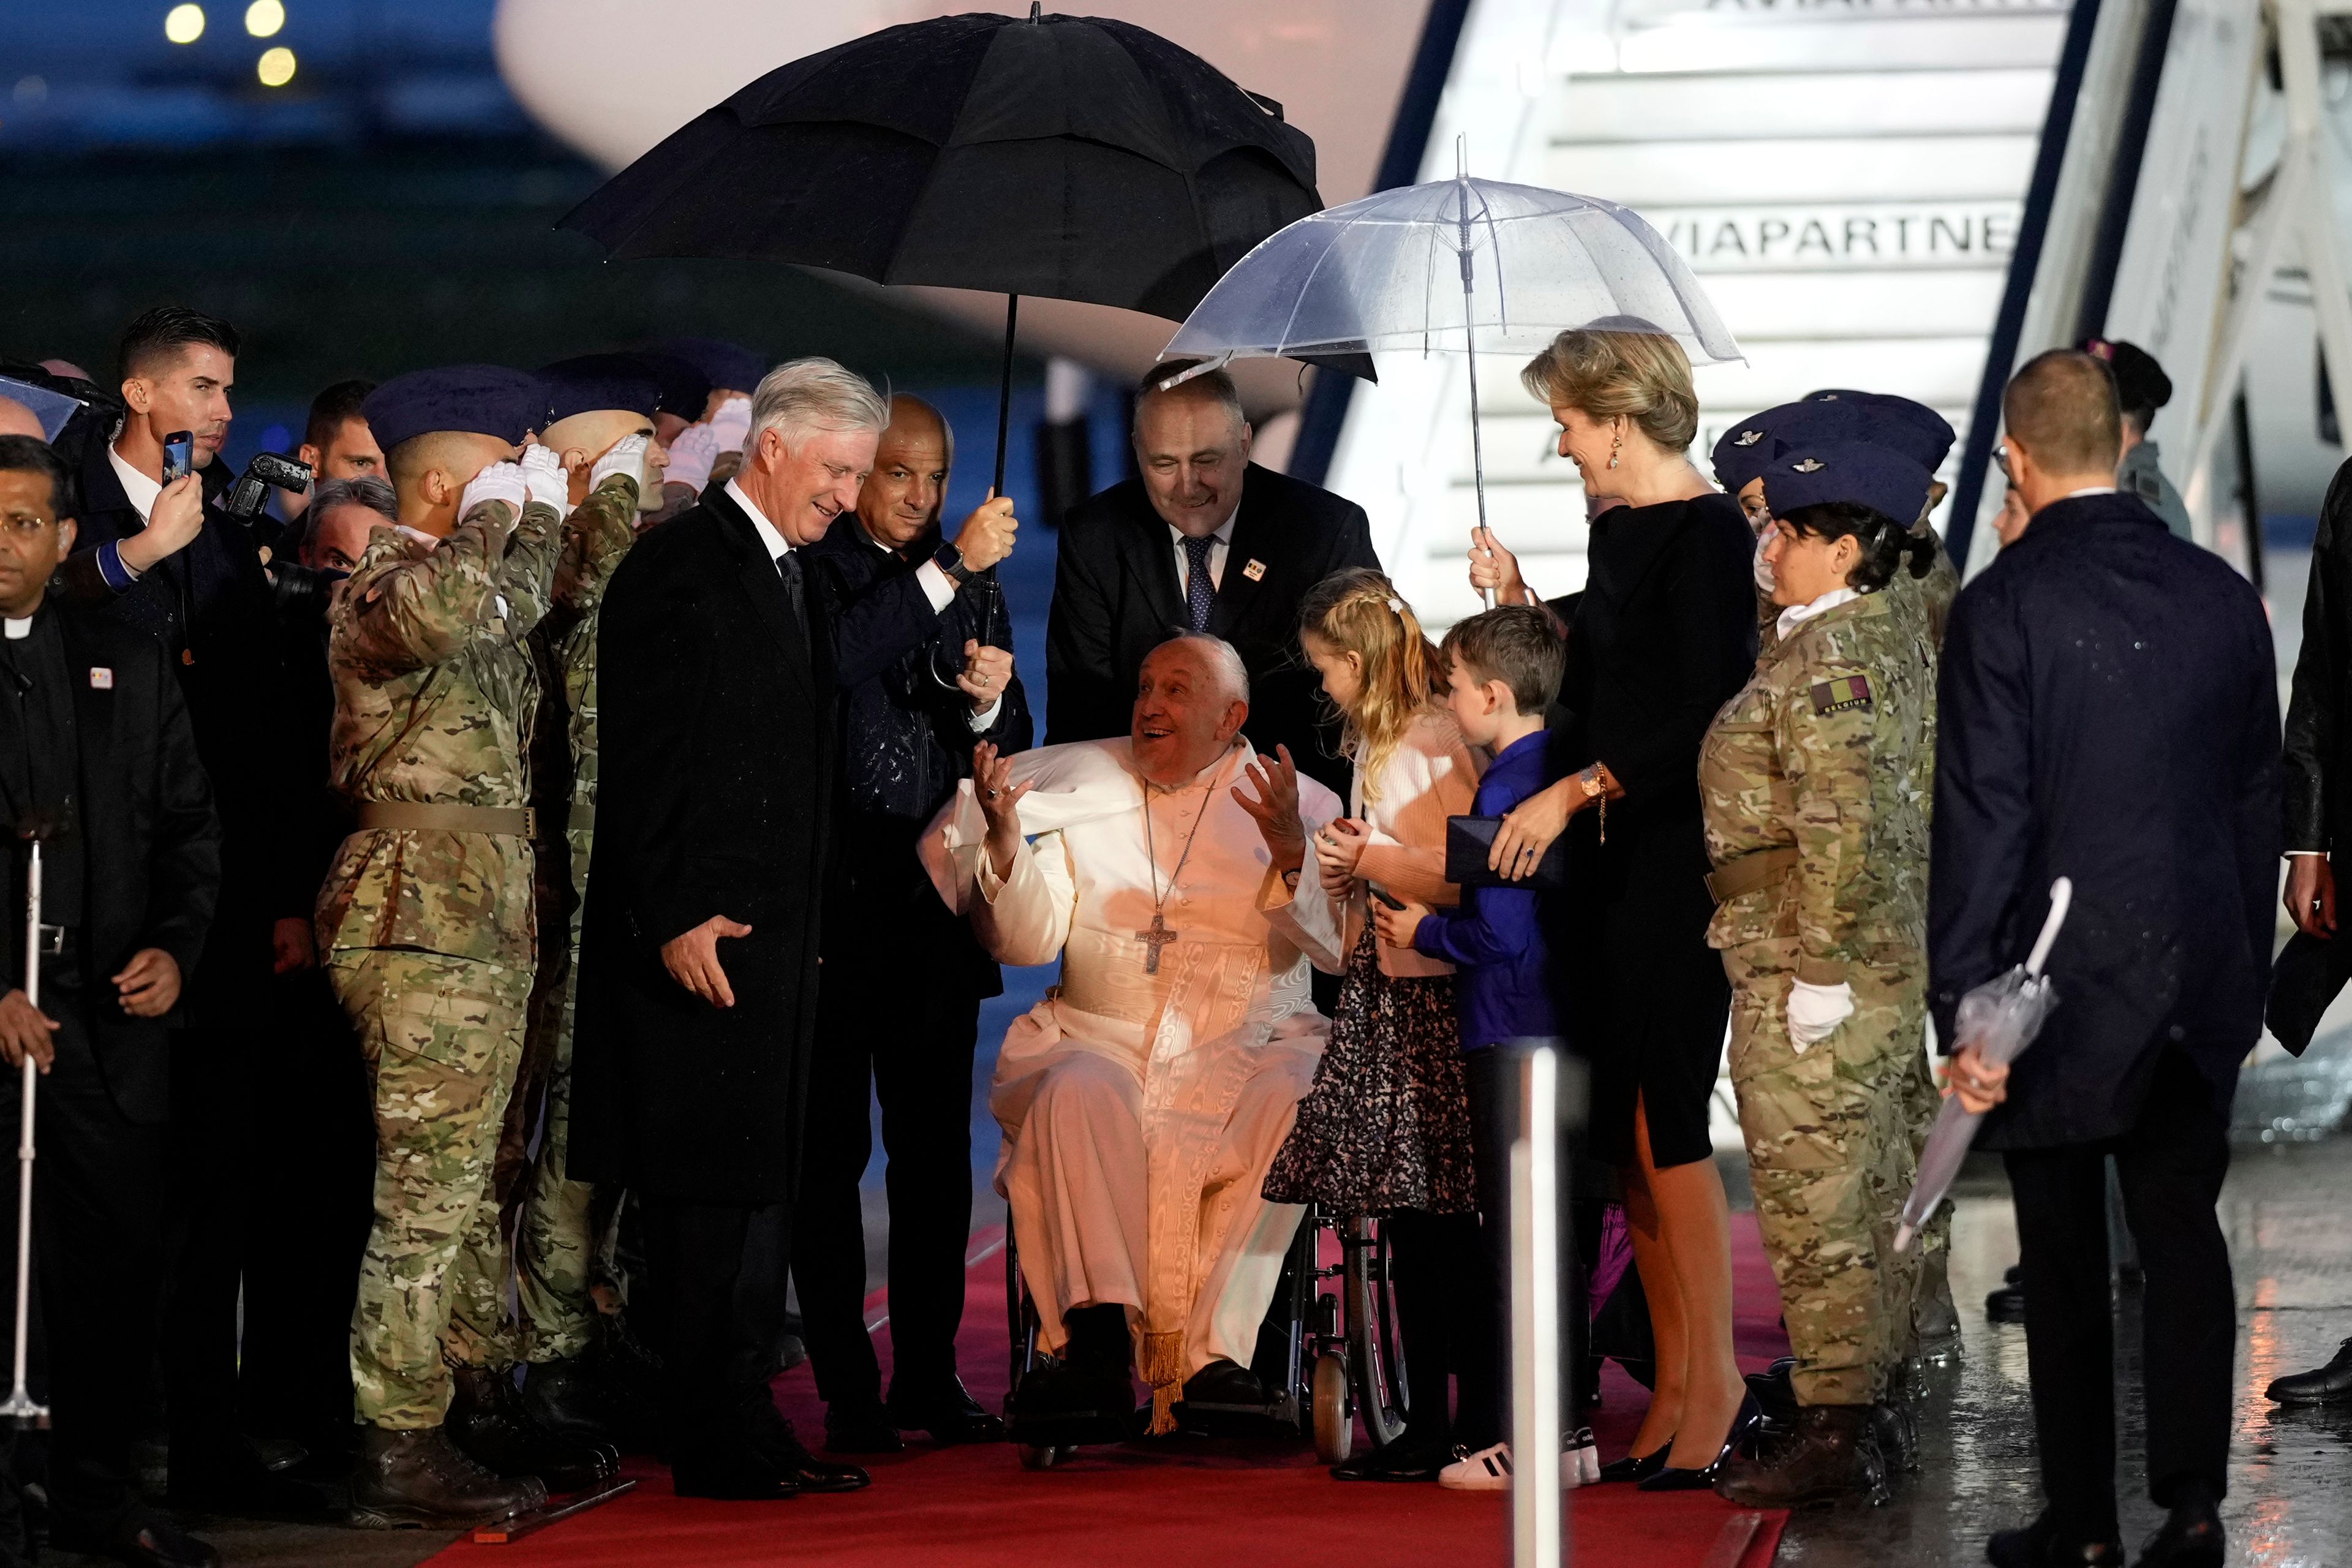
(1637, 1468)
(1668, 1479)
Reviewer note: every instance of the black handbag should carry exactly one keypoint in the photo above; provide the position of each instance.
(1470, 839)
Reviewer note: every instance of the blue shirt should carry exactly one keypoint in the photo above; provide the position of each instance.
(1492, 936)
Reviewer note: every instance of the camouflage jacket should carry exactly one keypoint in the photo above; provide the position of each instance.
(596, 537)
(434, 695)
(1829, 750)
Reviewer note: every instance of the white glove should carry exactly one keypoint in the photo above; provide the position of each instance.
(499, 481)
(732, 424)
(542, 472)
(625, 456)
(691, 456)
(1816, 1010)
(1762, 567)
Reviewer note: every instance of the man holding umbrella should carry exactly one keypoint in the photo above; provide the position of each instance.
(2109, 713)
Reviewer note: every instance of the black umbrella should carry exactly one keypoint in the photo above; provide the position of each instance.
(1072, 157)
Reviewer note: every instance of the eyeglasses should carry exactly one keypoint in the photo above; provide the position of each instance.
(25, 529)
(2000, 456)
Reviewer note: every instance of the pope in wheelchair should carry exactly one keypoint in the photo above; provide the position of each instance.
(1143, 1100)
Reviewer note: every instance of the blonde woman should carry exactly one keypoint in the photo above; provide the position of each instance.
(1386, 1129)
(1666, 633)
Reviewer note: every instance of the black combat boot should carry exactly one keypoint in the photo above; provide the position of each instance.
(487, 1422)
(1935, 1319)
(569, 1399)
(1829, 1454)
(409, 1479)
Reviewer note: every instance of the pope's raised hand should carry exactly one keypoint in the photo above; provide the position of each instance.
(1000, 803)
(1275, 808)
(986, 536)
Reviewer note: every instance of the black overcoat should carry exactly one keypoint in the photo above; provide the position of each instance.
(2108, 712)
(1117, 597)
(151, 843)
(2319, 711)
(1663, 635)
(718, 761)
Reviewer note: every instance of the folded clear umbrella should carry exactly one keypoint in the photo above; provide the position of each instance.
(2001, 1018)
(1460, 266)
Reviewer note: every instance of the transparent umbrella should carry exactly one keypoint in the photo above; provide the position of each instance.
(2001, 1018)
(1463, 266)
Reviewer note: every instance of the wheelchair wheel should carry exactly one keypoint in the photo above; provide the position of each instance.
(1042, 1455)
(1375, 1348)
(1335, 1420)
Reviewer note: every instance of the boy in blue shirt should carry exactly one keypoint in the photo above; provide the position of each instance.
(1503, 669)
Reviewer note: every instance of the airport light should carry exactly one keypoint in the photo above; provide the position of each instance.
(185, 24)
(264, 17)
(275, 66)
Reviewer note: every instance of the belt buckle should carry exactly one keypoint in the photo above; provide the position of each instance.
(51, 942)
(530, 822)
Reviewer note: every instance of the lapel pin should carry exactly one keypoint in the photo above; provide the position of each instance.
(100, 677)
(1254, 570)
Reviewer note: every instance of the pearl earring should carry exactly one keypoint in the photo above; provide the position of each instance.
(1615, 443)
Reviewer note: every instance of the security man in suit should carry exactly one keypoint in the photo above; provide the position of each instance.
(1204, 540)
(95, 742)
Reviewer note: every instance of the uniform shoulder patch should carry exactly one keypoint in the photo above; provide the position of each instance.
(1846, 692)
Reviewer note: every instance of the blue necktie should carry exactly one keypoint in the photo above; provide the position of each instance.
(1199, 592)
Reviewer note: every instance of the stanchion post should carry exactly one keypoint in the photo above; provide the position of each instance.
(20, 1405)
(1537, 1538)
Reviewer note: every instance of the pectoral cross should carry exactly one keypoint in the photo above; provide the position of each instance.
(1158, 937)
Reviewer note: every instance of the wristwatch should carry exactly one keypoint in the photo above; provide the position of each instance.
(950, 560)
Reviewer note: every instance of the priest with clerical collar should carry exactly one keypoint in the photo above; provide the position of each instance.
(1142, 1101)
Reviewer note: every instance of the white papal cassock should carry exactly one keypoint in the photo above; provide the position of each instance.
(1140, 1110)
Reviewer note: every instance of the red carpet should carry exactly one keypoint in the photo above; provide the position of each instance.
(1184, 1501)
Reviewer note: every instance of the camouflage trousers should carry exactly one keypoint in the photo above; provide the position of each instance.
(1829, 1138)
(1931, 1300)
(556, 1227)
(442, 1036)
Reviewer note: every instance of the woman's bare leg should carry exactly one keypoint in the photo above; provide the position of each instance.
(1656, 1264)
(1694, 1224)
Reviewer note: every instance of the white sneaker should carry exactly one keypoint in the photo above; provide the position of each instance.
(1487, 1470)
(1579, 1462)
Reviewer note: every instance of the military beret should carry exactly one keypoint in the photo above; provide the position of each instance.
(478, 399)
(1810, 472)
(722, 364)
(684, 388)
(1841, 414)
(592, 382)
(2140, 382)
(1743, 449)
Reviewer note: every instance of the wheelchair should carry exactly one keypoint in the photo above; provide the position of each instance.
(1328, 1352)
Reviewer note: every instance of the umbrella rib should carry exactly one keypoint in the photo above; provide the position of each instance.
(1299, 301)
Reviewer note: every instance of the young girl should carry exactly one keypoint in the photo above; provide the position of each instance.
(1386, 1127)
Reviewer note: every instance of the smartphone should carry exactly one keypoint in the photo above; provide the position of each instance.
(179, 455)
(1391, 899)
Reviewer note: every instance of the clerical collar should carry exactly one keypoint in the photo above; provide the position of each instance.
(770, 535)
(137, 487)
(17, 629)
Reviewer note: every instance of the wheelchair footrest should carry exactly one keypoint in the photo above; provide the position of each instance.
(1273, 1418)
(1070, 1429)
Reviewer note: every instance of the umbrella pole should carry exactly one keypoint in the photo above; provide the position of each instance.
(1478, 441)
(988, 595)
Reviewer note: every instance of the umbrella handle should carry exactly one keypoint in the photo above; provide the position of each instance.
(2062, 895)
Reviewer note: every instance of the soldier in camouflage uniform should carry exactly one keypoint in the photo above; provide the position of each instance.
(603, 423)
(1923, 590)
(425, 919)
(1814, 781)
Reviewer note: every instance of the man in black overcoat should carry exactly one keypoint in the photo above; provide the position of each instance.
(95, 742)
(2109, 713)
(899, 1019)
(718, 662)
(1204, 541)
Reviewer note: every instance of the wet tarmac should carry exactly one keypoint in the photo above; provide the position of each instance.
(2290, 1506)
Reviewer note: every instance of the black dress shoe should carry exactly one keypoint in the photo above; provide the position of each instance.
(487, 1423)
(1670, 1478)
(949, 1414)
(774, 1440)
(1406, 1459)
(2007, 1305)
(2038, 1546)
(145, 1543)
(2190, 1537)
(861, 1429)
(228, 1475)
(2329, 1384)
(1637, 1468)
(730, 1475)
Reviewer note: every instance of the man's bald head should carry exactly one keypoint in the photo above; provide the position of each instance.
(1192, 698)
(15, 420)
(2061, 408)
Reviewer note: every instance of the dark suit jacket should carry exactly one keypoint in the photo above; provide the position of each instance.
(149, 841)
(1117, 597)
(718, 762)
(2319, 711)
(2108, 711)
(907, 740)
(211, 609)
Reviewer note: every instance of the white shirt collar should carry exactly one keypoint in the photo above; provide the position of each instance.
(778, 545)
(2089, 490)
(1796, 616)
(1222, 534)
(137, 487)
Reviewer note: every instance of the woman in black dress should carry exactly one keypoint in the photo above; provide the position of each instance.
(1664, 635)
